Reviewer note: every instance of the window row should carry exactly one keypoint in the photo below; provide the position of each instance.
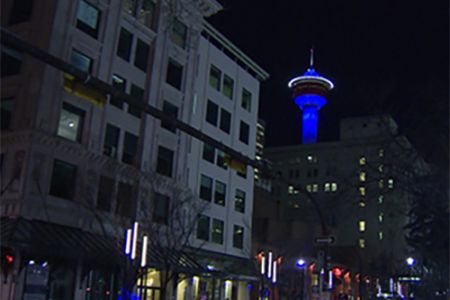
(135, 91)
(211, 155)
(211, 229)
(63, 184)
(218, 193)
(226, 84)
(124, 48)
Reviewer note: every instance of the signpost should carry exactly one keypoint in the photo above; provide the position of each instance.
(324, 240)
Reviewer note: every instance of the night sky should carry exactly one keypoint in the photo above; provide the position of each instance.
(383, 56)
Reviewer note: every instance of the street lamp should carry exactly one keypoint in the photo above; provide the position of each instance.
(410, 261)
(301, 264)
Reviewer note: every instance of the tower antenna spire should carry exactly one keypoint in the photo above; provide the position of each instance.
(311, 58)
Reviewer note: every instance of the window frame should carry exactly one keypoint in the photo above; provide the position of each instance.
(86, 27)
(80, 113)
(164, 164)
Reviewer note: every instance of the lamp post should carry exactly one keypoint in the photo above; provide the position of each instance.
(301, 264)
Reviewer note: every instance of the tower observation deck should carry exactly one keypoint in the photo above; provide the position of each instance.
(309, 93)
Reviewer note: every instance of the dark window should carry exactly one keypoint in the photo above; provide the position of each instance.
(161, 209)
(129, 148)
(225, 120)
(217, 231)
(6, 109)
(203, 228)
(174, 74)
(212, 112)
(242, 172)
(71, 122)
(138, 94)
(246, 100)
(221, 160)
(63, 180)
(220, 193)
(164, 164)
(205, 188)
(88, 18)
(11, 62)
(239, 201)
(238, 236)
(81, 61)
(215, 77)
(141, 55)
(172, 111)
(120, 84)
(111, 143)
(20, 11)
(228, 84)
(130, 6)
(244, 130)
(125, 204)
(208, 153)
(124, 45)
(146, 13)
(105, 193)
(179, 33)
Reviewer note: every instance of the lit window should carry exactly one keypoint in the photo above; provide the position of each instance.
(362, 160)
(238, 237)
(309, 188)
(290, 190)
(246, 100)
(362, 191)
(239, 201)
(381, 183)
(380, 168)
(362, 226)
(362, 243)
(327, 187)
(220, 193)
(380, 217)
(362, 203)
(217, 231)
(88, 18)
(309, 158)
(380, 199)
(334, 186)
(315, 188)
(119, 83)
(390, 183)
(380, 152)
(179, 33)
(362, 176)
(228, 85)
(71, 123)
(380, 235)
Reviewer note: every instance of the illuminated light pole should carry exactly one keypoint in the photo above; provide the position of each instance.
(269, 269)
(309, 93)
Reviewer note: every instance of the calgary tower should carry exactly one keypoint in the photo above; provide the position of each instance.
(309, 92)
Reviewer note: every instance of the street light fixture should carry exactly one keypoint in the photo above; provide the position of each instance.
(410, 261)
(301, 263)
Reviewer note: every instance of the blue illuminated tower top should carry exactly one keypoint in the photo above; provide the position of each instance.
(309, 93)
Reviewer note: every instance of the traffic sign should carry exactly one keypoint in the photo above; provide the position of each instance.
(324, 240)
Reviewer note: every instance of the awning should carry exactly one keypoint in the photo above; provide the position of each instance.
(35, 237)
(40, 238)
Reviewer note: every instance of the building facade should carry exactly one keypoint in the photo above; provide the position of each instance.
(80, 166)
(361, 187)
